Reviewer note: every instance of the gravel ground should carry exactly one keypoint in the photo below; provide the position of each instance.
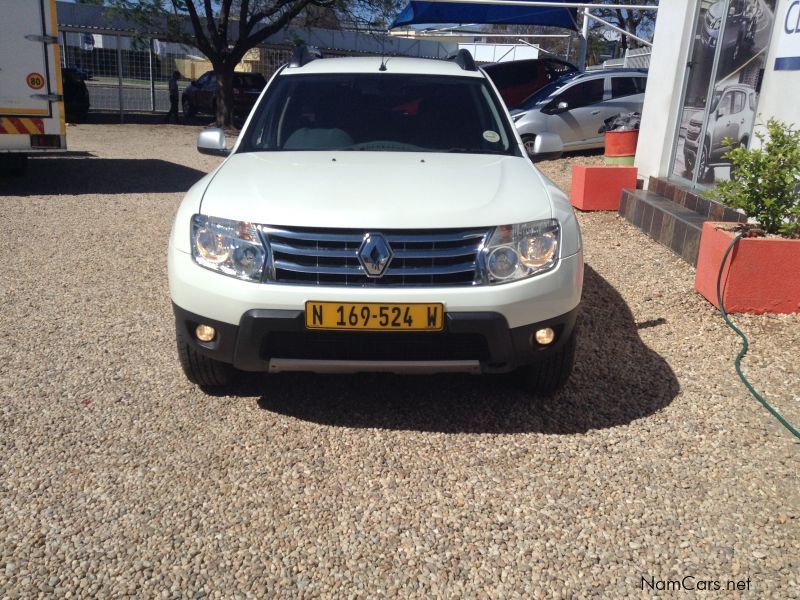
(121, 479)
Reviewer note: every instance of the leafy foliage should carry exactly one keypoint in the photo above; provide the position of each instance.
(767, 179)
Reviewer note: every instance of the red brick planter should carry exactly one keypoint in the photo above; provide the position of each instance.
(761, 274)
(600, 188)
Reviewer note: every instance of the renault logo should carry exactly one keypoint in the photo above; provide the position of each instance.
(375, 254)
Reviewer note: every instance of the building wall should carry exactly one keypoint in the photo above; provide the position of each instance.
(780, 90)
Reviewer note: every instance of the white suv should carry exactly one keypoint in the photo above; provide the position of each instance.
(376, 215)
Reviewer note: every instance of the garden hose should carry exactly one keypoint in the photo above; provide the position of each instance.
(745, 343)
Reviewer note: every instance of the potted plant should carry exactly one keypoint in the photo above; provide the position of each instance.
(762, 271)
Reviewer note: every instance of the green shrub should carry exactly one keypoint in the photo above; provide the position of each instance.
(766, 180)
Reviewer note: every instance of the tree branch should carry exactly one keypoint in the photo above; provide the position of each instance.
(212, 26)
(275, 26)
(225, 11)
(203, 43)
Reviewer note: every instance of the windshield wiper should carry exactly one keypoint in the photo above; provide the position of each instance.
(474, 151)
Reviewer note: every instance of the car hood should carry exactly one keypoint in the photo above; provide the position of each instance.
(387, 190)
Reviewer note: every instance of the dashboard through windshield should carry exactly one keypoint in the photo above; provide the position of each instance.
(381, 112)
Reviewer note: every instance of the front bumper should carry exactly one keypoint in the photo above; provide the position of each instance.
(261, 326)
(226, 299)
(277, 340)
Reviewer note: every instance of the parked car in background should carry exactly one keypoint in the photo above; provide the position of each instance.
(518, 79)
(574, 106)
(76, 94)
(733, 110)
(200, 96)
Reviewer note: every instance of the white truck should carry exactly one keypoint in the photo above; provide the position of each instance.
(31, 97)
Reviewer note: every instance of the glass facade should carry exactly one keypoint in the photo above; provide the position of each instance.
(720, 96)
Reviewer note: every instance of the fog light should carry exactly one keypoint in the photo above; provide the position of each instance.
(206, 333)
(545, 336)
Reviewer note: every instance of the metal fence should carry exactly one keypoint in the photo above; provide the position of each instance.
(128, 74)
(125, 73)
(636, 58)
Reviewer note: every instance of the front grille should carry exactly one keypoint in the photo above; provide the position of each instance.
(692, 132)
(308, 256)
(367, 346)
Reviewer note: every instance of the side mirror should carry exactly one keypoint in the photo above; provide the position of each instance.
(554, 108)
(212, 141)
(547, 146)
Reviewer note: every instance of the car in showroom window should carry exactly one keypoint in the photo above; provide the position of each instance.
(376, 215)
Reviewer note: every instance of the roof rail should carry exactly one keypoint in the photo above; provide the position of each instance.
(464, 60)
(303, 55)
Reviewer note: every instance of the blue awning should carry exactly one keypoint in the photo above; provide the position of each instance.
(418, 12)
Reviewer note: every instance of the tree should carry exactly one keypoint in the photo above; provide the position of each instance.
(224, 30)
(637, 22)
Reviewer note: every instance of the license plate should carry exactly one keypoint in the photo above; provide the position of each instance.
(374, 316)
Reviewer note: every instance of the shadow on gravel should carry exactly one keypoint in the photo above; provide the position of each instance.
(616, 380)
(78, 173)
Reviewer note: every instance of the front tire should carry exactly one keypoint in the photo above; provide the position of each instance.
(529, 141)
(545, 377)
(703, 172)
(199, 368)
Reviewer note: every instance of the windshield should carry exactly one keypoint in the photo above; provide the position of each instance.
(380, 112)
(545, 92)
(715, 99)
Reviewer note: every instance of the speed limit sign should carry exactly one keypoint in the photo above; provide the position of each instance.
(35, 81)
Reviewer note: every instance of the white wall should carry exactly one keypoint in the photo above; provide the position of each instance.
(780, 90)
(483, 52)
(671, 43)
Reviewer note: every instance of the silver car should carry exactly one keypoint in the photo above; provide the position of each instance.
(575, 106)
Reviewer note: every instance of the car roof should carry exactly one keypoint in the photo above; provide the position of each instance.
(372, 64)
(604, 72)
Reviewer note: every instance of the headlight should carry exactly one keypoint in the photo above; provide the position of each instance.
(230, 247)
(518, 116)
(515, 252)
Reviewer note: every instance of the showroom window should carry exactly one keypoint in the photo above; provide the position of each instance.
(722, 80)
